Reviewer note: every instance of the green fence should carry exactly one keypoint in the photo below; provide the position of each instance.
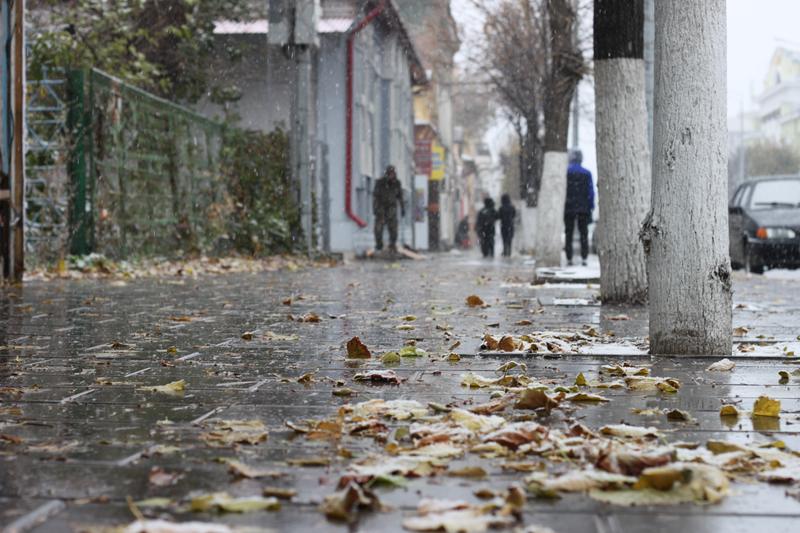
(144, 173)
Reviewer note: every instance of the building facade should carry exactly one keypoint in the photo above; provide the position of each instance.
(363, 72)
(439, 178)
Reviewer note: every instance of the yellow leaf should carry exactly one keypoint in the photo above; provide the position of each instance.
(728, 410)
(580, 380)
(766, 406)
(174, 388)
(390, 357)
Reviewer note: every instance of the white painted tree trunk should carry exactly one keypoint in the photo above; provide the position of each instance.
(686, 232)
(550, 210)
(623, 177)
(527, 228)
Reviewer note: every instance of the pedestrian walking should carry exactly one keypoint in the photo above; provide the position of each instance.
(579, 205)
(507, 213)
(387, 194)
(484, 226)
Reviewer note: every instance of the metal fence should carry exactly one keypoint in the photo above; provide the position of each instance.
(116, 170)
(46, 166)
(144, 172)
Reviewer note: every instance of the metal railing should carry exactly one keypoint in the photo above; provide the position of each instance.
(144, 171)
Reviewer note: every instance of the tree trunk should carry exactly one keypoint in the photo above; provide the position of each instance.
(550, 211)
(623, 154)
(686, 232)
(566, 70)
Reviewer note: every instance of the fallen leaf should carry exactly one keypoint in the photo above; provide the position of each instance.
(456, 516)
(175, 388)
(357, 349)
(309, 461)
(232, 432)
(412, 351)
(723, 365)
(766, 406)
(474, 300)
(343, 391)
(310, 317)
(678, 415)
(13, 439)
(508, 344)
(390, 358)
(248, 335)
(272, 336)
(579, 481)
(164, 526)
(468, 472)
(239, 469)
(741, 331)
(728, 410)
(580, 380)
(515, 435)
(536, 399)
(280, 493)
(306, 378)
(344, 504)
(158, 477)
(223, 502)
(585, 397)
(379, 376)
(631, 432)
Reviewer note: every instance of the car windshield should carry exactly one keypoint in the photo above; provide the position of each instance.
(776, 193)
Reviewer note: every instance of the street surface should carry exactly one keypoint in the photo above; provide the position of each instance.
(83, 432)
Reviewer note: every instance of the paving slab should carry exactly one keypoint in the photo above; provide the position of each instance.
(84, 429)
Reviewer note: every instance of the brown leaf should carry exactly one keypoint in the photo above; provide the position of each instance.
(490, 343)
(515, 435)
(474, 300)
(310, 317)
(536, 399)
(309, 461)
(277, 492)
(468, 472)
(508, 344)
(343, 505)
(357, 349)
(13, 439)
(158, 477)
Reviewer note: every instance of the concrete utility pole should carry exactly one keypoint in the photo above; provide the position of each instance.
(293, 25)
(685, 235)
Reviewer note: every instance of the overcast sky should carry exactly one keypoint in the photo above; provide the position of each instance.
(755, 29)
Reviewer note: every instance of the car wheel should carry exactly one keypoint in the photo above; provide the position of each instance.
(750, 263)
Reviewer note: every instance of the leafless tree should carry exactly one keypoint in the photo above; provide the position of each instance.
(530, 53)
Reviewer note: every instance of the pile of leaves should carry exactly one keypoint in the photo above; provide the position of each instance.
(529, 427)
(98, 266)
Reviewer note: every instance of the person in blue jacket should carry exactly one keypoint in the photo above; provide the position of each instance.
(579, 205)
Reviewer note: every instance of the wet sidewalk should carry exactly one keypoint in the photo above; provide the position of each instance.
(122, 397)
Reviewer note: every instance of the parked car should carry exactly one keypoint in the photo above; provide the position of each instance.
(764, 223)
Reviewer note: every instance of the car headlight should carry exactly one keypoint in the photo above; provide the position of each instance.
(775, 233)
